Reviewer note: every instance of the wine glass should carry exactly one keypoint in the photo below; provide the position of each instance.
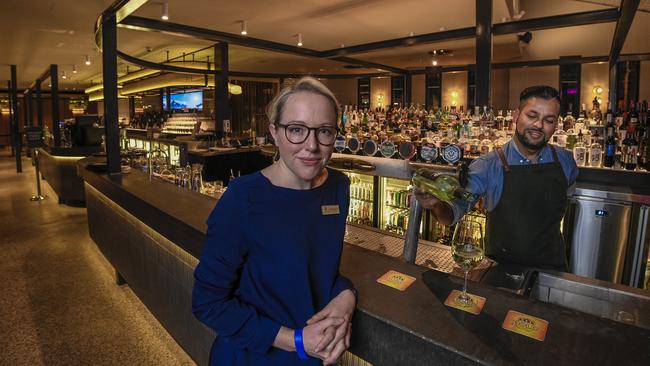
(467, 250)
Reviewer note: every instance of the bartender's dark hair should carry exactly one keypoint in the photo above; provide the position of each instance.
(306, 84)
(539, 91)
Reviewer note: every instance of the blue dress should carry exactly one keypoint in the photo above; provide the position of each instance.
(270, 259)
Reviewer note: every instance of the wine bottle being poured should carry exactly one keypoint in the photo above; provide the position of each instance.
(445, 187)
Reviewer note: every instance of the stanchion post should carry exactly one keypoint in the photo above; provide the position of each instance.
(38, 196)
(34, 141)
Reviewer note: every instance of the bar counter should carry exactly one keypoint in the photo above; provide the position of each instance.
(152, 233)
(58, 168)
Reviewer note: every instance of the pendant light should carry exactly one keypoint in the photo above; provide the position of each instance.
(244, 30)
(165, 10)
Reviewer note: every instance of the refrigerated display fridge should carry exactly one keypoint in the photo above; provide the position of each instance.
(362, 199)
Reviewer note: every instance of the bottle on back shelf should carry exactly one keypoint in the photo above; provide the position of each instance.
(579, 150)
(610, 139)
(621, 122)
(595, 115)
(629, 150)
(569, 121)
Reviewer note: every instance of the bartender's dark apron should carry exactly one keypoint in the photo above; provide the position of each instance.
(524, 228)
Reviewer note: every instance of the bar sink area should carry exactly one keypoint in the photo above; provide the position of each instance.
(620, 303)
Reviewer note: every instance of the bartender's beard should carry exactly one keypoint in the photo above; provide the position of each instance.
(529, 144)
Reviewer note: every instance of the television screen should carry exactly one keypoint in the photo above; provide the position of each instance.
(192, 100)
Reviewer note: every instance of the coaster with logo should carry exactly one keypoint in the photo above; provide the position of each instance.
(474, 307)
(526, 325)
(396, 280)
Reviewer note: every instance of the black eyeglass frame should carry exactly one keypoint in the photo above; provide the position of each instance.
(309, 129)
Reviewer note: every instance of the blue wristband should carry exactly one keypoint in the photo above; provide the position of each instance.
(300, 347)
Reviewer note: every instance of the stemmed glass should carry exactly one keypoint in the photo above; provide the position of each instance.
(467, 249)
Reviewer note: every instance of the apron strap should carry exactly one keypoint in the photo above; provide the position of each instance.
(555, 159)
(499, 150)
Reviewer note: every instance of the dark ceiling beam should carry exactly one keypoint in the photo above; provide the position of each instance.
(44, 76)
(565, 20)
(634, 57)
(450, 35)
(550, 62)
(188, 70)
(47, 92)
(153, 25)
(243, 74)
(557, 21)
(369, 64)
(162, 67)
(627, 12)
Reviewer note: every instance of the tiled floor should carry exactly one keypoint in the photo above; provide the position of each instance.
(59, 303)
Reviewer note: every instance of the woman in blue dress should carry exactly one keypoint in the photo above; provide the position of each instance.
(268, 281)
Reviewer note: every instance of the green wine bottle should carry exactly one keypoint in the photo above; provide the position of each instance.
(444, 187)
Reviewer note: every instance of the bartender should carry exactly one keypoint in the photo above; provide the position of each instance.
(525, 185)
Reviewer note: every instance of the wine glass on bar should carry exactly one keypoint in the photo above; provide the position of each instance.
(467, 249)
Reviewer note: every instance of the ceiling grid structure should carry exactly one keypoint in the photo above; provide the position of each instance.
(54, 34)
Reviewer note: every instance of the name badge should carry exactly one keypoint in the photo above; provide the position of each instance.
(330, 209)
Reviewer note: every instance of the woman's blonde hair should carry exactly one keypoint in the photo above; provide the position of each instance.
(305, 84)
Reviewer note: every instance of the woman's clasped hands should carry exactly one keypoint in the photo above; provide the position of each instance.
(327, 334)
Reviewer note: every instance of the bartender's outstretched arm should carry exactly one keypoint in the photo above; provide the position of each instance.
(440, 209)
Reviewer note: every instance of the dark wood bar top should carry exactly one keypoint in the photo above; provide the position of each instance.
(573, 338)
(178, 214)
(412, 327)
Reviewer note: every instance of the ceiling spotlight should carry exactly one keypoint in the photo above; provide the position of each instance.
(299, 39)
(244, 30)
(63, 75)
(74, 69)
(87, 60)
(434, 63)
(165, 11)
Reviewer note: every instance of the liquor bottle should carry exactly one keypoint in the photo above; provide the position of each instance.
(444, 187)
(569, 121)
(633, 117)
(595, 115)
(630, 150)
(647, 139)
(621, 122)
(610, 140)
(640, 133)
(582, 117)
(580, 151)
(595, 154)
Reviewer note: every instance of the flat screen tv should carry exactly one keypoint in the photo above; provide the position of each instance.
(193, 100)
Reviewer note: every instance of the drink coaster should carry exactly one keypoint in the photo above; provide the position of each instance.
(474, 308)
(526, 325)
(396, 280)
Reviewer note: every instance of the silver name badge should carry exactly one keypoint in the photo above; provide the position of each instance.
(330, 209)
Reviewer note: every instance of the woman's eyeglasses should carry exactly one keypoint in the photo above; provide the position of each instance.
(297, 134)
